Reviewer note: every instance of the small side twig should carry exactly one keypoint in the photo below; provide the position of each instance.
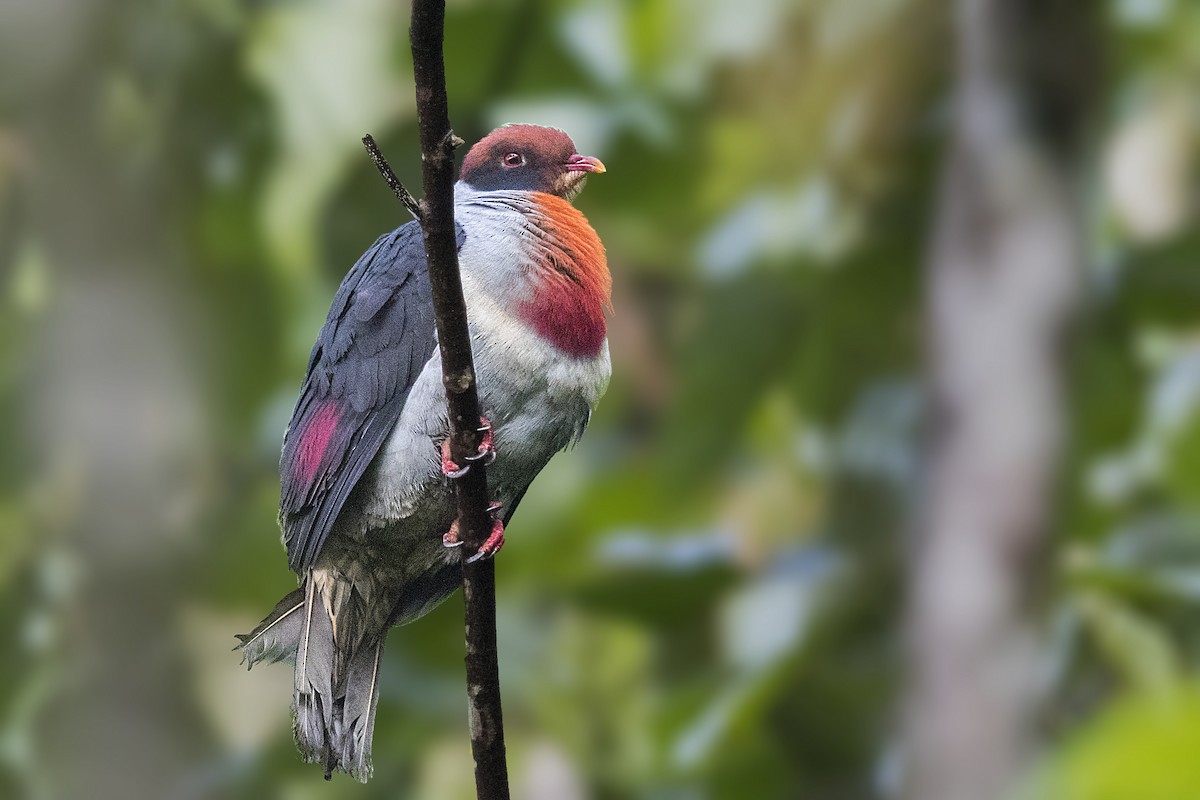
(385, 169)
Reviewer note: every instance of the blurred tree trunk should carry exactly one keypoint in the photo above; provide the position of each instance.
(1004, 276)
(111, 414)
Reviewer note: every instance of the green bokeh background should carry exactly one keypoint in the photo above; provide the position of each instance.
(702, 599)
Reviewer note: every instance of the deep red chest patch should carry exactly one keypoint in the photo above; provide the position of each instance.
(573, 285)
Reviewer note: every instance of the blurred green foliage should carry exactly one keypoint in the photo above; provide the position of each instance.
(700, 600)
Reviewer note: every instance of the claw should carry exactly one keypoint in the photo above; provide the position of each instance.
(493, 544)
(449, 468)
(486, 453)
(489, 548)
(450, 537)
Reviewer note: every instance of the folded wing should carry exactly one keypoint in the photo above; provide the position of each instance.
(378, 336)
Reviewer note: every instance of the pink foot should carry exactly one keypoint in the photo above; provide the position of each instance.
(491, 545)
(487, 452)
(450, 537)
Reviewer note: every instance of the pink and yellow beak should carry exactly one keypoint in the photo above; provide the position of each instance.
(578, 163)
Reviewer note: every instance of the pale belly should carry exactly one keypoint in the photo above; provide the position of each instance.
(388, 541)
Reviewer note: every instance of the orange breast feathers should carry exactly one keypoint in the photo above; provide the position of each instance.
(572, 286)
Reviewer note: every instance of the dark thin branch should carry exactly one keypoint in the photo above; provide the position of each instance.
(436, 212)
(385, 169)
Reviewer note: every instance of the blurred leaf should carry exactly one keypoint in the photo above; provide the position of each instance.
(1139, 647)
(326, 68)
(746, 337)
(1143, 747)
(1182, 474)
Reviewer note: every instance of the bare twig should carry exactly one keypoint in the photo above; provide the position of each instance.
(385, 169)
(436, 213)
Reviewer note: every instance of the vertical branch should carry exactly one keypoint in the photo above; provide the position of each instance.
(458, 376)
(1003, 280)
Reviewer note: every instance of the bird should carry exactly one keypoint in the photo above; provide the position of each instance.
(367, 504)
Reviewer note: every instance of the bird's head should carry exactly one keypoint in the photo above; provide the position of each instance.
(528, 158)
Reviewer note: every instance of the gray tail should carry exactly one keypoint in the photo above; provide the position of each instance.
(276, 637)
(337, 684)
(334, 636)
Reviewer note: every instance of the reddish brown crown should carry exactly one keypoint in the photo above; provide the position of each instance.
(527, 158)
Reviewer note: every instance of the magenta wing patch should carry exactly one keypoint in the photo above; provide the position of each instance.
(314, 443)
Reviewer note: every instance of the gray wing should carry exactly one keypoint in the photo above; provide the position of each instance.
(378, 336)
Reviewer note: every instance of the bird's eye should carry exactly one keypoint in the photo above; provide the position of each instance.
(513, 160)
